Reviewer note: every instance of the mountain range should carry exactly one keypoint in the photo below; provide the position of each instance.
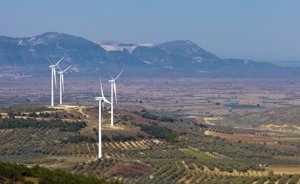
(174, 58)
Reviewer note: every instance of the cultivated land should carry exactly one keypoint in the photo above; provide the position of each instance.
(167, 130)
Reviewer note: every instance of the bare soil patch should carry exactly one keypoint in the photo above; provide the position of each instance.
(129, 169)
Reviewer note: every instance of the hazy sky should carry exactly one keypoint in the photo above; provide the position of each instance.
(250, 29)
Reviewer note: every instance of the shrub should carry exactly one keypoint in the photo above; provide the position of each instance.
(159, 132)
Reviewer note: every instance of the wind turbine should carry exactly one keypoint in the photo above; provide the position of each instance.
(53, 75)
(101, 100)
(62, 83)
(113, 92)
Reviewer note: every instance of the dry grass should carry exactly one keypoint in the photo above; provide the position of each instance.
(282, 127)
(32, 179)
(284, 169)
(271, 142)
(128, 169)
(114, 128)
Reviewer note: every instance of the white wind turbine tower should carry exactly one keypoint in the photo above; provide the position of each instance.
(113, 92)
(101, 100)
(62, 83)
(53, 75)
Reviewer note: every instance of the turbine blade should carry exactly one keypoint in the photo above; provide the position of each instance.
(119, 75)
(67, 69)
(115, 91)
(63, 82)
(101, 88)
(49, 60)
(59, 61)
(105, 100)
(54, 74)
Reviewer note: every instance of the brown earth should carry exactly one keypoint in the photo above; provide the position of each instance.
(128, 169)
(271, 142)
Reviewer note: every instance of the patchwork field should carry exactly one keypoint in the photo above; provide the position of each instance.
(217, 131)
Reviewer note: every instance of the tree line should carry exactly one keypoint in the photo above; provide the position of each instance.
(27, 123)
(159, 132)
(149, 115)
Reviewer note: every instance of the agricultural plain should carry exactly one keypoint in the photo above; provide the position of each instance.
(206, 130)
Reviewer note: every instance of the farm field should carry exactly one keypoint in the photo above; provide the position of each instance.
(271, 142)
(215, 132)
(191, 97)
(144, 146)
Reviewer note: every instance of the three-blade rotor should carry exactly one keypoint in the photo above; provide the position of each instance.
(53, 67)
(114, 85)
(102, 93)
(62, 77)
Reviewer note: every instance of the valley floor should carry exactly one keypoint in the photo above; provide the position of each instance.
(167, 130)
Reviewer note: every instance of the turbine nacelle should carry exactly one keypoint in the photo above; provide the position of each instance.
(54, 65)
(98, 98)
(102, 99)
(66, 69)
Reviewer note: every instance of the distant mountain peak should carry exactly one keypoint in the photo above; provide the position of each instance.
(110, 45)
(187, 49)
(57, 35)
(182, 57)
(50, 33)
(182, 43)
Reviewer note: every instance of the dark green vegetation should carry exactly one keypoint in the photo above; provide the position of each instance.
(159, 132)
(152, 116)
(31, 123)
(243, 106)
(122, 138)
(12, 173)
(29, 143)
(80, 138)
